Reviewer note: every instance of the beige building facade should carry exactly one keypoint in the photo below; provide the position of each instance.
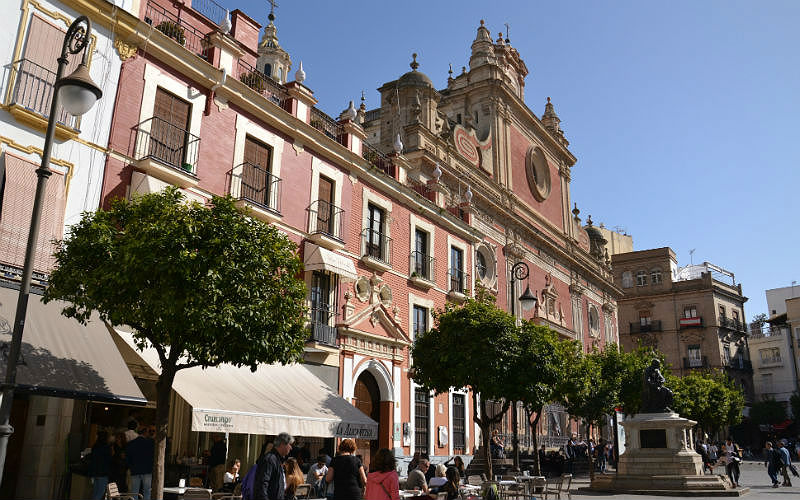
(693, 314)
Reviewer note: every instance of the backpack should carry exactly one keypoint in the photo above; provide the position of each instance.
(249, 483)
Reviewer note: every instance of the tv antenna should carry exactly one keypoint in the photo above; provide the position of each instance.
(691, 256)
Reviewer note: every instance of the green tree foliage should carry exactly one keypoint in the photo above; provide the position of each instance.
(543, 363)
(768, 411)
(709, 398)
(202, 285)
(794, 401)
(474, 345)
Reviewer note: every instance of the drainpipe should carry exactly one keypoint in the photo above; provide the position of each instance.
(212, 91)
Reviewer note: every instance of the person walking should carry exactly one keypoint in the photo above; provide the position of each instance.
(139, 454)
(786, 462)
(382, 481)
(270, 480)
(773, 462)
(100, 465)
(346, 472)
(732, 459)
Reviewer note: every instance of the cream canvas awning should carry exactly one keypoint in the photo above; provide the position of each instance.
(62, 358)
(273, 399)
(318, 258)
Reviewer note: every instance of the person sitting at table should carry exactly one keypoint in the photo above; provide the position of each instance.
(316, 474)
(231, 477)
(496, 446)
(382, 481)
(416, 478)
(438, 479)
(458, 463)
(451, 486)
(294, 477)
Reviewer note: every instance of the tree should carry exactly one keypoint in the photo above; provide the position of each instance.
(758, 322)
(794, 401)
(473, 345)
(768, 412)
(202, 285)
(543, 363)
(709, 398)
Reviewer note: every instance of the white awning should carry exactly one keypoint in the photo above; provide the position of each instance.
(273, 399)
(318, 258)
(63, 358)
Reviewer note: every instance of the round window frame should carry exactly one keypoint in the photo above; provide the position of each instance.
(486, 252)
(537, 171)
(594, 329)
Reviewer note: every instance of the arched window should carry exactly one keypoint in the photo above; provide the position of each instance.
(627, 279)
(641, 278)
(280, 74)
(655, 276)
(268, 70)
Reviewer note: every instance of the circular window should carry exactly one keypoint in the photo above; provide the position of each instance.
(485, 265)
(594, 320)
(538, 172)
(480, 265)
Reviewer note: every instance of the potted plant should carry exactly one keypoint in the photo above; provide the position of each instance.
(172, 30)
(187, 167)
(253, 80)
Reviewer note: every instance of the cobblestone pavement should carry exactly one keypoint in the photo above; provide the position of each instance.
(753, 476)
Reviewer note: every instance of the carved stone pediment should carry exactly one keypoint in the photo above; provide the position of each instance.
(375, 314)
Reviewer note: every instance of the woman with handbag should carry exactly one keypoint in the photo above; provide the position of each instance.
(382, 481)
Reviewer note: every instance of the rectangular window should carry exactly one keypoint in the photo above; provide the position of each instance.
(459, 424)
(420, 320)
(644, 318)
(422, 265)
(457, 278)
(766, 383)
(375, 236)
(655, 276)
(169, 135)
(770, 355)
(325, 212)
(257, 185)
(690, 312)
(324, 288)
(641, 278)
(695, 360)
(726, 354)
(735, 315)
(421, 420)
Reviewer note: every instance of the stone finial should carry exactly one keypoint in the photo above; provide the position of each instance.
(437, 172)
(575, 213)
(363, 105)
(350, 113)
(300, 75)
(468, 195)
(589, 221)
(551, 121)
(414, 64)
(225, 25)
(398, 144)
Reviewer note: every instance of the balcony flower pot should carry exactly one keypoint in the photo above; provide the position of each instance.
(187, 167)
(172, 30)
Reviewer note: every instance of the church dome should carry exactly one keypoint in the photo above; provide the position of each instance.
(414, 78)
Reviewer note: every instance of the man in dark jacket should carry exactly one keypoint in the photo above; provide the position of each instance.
(270, 481)
(139, 454)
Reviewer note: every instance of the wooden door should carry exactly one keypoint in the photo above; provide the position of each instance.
(367, 399)
(168, 130)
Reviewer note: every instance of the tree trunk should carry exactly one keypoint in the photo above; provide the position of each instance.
(591, 457)
(537, 466)
(515, 438)
(164, 390)
(484, 423)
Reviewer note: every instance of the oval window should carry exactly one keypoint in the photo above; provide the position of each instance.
(538, 172)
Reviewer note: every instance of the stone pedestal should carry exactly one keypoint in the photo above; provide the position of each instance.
(659, 459)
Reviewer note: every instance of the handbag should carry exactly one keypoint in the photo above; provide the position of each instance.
(794, 470)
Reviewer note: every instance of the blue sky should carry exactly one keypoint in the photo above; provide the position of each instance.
(682, 114)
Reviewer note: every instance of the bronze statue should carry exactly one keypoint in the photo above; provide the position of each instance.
(655, 397)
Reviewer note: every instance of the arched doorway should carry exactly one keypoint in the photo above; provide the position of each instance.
(367, 398)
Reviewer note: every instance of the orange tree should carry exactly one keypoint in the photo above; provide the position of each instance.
(201, 284)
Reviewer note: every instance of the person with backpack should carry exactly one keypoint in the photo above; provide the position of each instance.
(268, 481)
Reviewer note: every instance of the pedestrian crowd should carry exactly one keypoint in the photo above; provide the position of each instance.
(114, 456)
(777, 460)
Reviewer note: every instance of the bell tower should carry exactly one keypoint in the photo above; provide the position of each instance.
(273, 61)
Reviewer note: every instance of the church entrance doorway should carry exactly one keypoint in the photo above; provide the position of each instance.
(367, 398)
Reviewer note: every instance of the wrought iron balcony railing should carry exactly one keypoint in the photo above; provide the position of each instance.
(459, 281)
(378, 160)
(178, 28)
(695, 363)
(211, 9)
(322, 332)
(254, 184)
(261, 83)
(653, 326)
(325, 218)
(327, 126)
(377, 245)
(171, 145)
(740, 364)
(732, 324)
(33, 90)
(423, 265)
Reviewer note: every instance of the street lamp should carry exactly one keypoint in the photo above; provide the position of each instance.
(519, 272)
(78, 93)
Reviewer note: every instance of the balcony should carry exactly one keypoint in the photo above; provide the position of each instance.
(694, 322)
(740, 364)
(459, 284)
(422, 270)
(261, 83)
(253, 186)
(377, 250)
(179, 28)
(378, 160)
(321, 331)
(423, 190)
(328, 126)
(732, 324)
(32, 96)
(167, 152)
(211, 9)
(654, 326)
(693, 363)
(326, 224)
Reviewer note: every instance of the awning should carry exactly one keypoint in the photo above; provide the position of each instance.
(318, 258)
(62, 358)
(271, 400)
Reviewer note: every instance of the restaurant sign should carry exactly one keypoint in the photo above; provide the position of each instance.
(356, 431)
(271, 424)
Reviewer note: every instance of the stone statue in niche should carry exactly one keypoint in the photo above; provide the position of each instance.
(655, 397)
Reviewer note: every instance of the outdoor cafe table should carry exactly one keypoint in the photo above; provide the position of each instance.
(534, 479)
(180, 490)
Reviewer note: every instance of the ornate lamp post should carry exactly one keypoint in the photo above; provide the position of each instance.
(78, 93)
(528, 301)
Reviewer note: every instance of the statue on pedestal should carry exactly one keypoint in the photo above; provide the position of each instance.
(655, 397)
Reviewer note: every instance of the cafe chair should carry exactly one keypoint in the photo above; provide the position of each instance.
(195, 482)
(113, 493)
(196, 494)
(303, 491)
